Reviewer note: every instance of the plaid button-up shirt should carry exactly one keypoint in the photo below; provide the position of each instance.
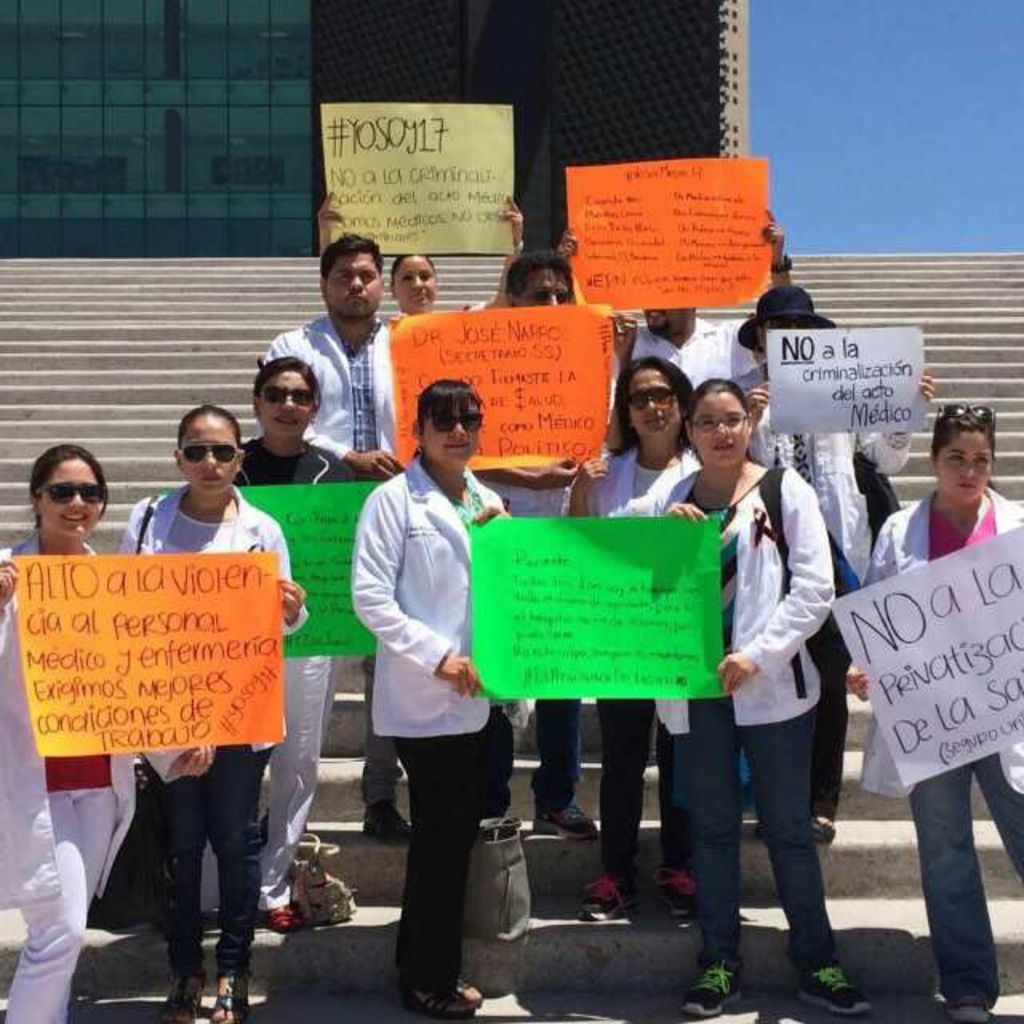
(364, 417)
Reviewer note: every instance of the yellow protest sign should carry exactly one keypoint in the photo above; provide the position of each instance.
(124, 653)
(421, 177)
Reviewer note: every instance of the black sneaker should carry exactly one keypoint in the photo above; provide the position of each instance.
(828, 988)
(383, 822)
(677, 891)
(717, 988)
(570, 823)
(607, 899)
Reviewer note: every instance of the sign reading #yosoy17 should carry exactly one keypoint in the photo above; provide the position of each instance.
(421, 177)
(943, 646)
(837, 381)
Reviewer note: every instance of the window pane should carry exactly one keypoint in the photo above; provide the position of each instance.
(124, 140)
(82, 39)
(207, 149)
(40, 39)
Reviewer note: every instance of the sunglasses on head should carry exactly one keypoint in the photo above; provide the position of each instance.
(278, 396)
(62, 494)
(982, 413)
(198, 452)
(445, 421)
(660, 397)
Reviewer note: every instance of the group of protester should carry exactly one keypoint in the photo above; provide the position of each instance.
(690, 435)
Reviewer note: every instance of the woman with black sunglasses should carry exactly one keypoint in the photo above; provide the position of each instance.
(651, 396)
(410, 587)
(285, 400)
(219, 801)
(63, 819)
(962, 511)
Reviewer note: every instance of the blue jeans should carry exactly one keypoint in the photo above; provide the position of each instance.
(780, 758)
(558, 743)
(220, 806)
(951, 878)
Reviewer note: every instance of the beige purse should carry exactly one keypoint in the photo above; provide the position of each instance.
(317, 895)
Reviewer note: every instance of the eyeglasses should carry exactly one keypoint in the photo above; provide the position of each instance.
(543, 296)
(63, 494)
(707, 425)
(445, 421)
(278, 396)
(198, 452)
(660, 397)
(982, 413)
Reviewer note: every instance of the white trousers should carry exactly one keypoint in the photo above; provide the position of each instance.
(309, 695)
(83, 827)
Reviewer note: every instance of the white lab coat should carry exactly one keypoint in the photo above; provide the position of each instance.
(768, 626)
(612, 495)
(831, 458)
(317, 343)
(253, 530)
(28, 866)
(410, 588)
(712, 351)
(903, 545)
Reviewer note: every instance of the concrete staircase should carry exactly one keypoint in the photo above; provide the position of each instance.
(110, 354)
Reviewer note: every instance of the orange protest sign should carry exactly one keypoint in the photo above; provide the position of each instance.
(670, 234)
(124, 653)
(542, 374)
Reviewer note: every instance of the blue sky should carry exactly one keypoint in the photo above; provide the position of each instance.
(891, 125)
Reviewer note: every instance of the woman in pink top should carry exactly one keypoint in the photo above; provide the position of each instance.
(962, 511)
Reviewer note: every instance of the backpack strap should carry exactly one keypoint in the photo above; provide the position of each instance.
(771, 494)
(144, 525)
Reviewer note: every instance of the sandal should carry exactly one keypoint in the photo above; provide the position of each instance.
(470, 993)
(823, 829)
(284, 920)
(185, 999)
(454, 1006)
(232, 1004)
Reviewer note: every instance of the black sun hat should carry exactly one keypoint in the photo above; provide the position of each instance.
(786, 301)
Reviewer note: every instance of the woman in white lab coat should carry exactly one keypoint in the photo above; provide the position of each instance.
(209, 515)
(770, 689)
(62, 820)
(962, 511)
(651, 398)
(410, 587)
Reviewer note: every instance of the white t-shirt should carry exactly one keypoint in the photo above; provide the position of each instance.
(713, 351)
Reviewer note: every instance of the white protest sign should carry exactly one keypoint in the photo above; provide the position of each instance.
(943, 646)
(841, 382)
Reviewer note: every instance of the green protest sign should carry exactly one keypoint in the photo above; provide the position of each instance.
(597, 608)
(319, 524)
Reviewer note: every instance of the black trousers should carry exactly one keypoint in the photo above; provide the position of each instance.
(626, 745)
(446, 792)
(829, 746)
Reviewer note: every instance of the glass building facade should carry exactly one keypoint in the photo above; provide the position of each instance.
(155, 128)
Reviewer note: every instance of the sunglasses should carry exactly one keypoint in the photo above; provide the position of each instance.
(278, 396)
(982, 413)
(198, 452)
(543, 296)
(660, 397)
(445, 421)
(63, 494)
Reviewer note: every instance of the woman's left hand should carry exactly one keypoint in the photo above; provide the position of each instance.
(8, 582)
(734, 670)
(293, 597)
(489, 513)
(513, 216)
(927, 386)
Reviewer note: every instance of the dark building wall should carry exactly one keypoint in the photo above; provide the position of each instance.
(592, 81)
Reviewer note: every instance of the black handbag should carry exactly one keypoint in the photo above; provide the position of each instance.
(138, 888)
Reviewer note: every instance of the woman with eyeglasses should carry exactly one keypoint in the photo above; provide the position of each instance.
(770, 688)
(962, 511)
(217, 800)
(410, 587)
(62, 820)
(651, 396)
(285, 400)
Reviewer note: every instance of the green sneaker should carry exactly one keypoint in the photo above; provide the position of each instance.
(716, 988)
(828, 988)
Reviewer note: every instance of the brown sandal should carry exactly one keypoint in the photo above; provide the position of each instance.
(453, 1006)
(232, 1004)
(185, 999)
